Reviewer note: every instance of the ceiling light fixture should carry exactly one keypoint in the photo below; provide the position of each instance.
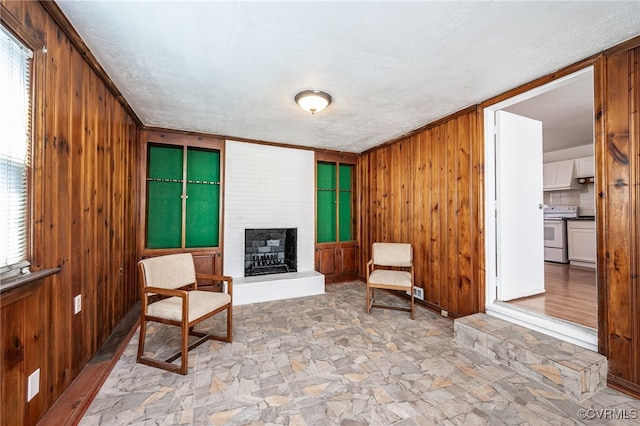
(313, 100)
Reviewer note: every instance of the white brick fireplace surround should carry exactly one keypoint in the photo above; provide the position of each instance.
(269, 187)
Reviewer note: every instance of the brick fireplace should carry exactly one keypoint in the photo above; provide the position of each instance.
(270, 251)
(267, 188)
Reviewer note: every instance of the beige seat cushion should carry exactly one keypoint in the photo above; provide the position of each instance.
(200, 303)
(398, 278)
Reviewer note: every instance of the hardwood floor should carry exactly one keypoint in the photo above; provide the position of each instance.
(570, 294)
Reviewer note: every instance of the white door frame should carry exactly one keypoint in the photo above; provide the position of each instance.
(573, 333)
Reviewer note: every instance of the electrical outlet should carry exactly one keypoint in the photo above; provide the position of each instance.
(444, 313)
(33, 385)
(77, 304)
(418, 292)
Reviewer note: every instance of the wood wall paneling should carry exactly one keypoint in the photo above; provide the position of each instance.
(83, 215)
(619, 246)
(425, 189)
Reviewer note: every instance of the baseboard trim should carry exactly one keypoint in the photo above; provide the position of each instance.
(69, 408)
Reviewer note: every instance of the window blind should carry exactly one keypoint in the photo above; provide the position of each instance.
(15, 137)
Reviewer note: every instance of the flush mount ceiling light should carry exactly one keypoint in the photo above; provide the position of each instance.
(313, 100)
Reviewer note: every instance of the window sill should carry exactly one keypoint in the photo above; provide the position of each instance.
(25, 279)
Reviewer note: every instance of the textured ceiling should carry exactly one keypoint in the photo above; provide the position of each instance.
(233, 67)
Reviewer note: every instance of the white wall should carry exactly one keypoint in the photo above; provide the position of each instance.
(569, 153)
(267, 187)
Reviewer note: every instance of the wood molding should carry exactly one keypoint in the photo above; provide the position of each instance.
(76, 399)
(58, 16)
(542, 80)
(12, 23)
(626, 45)
(624, 386)
(336, 157)
(174, 137)
(211, 136)
(600, 142)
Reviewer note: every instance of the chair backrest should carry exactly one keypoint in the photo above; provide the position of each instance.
(170, 271)
(392, 254)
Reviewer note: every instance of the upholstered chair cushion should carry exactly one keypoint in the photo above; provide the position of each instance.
(171, 271)
(392, 254)
(200, 303)
(399, 278)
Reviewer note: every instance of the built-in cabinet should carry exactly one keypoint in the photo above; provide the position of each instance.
(558, 175)
(336, 241)
(581, 239)
(181, 193)
(584, 167)
(338, 262)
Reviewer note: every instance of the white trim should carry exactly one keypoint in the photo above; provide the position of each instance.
(267, 288)
(581, 336)
(564, 330)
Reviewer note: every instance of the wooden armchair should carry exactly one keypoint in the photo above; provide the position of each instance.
(170, 295)
(390, 268)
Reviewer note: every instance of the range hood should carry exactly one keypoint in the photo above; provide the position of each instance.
(559, 176)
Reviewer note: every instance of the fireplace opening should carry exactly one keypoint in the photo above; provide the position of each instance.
(270, 251)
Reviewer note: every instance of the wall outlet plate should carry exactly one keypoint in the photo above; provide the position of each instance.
(33, 385)
(444, 313)
(77, 304)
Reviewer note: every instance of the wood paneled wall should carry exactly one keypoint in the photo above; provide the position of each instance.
(84, 213)
(618, 174)
(426, 189)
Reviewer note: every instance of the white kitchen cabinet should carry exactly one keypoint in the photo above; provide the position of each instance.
(585, 167)
(581, 238)
(558, 176)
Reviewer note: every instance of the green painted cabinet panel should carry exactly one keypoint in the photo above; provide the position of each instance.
(165, 186)
(164, 192)
(164, 224)
(165, 162)
(203, 198)
(334, 215)
(345, 203)
(326, 203)
(326, 216)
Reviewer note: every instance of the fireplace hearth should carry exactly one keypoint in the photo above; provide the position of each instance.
(270, 251)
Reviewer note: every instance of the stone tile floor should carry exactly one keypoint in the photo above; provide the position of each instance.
(321, 360)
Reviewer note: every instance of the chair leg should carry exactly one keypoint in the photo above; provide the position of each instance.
(367, 299)
(412, 304)
(230, 324)
(371, 295)
(184, 359)
(143, 335)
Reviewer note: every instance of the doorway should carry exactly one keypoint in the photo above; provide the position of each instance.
(564, 135)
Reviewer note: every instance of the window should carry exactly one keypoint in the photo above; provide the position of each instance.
(183, 197)
(334, 202)
(15, 144)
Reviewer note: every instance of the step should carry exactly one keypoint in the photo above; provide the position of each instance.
(570, 369)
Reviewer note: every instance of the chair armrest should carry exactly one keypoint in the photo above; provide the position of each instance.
(226, 279)
(369, 268)
(166, 292)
